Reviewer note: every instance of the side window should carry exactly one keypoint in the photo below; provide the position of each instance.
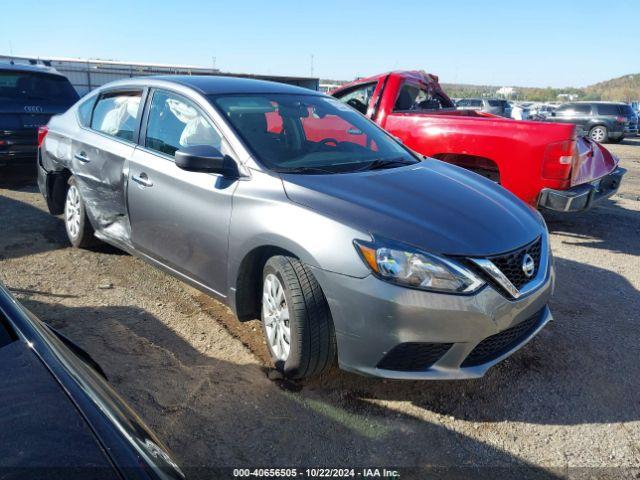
(360, 98)
(608, 109)
(582, 109)
(415, 97)
(175, 122)
(116, 113)
(84, 111)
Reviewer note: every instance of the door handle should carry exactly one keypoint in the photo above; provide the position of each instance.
(82, 157)
(143, 180)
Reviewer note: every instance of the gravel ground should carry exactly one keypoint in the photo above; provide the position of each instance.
(568, 400)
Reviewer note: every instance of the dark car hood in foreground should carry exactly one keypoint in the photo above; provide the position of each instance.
(41, 431)
(431, 205)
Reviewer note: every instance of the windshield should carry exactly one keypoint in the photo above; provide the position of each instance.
(309, 133)
(414, 97)
(36, 86)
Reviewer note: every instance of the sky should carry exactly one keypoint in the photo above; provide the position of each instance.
(541, 43)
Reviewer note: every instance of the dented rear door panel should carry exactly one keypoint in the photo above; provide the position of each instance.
(98, 163)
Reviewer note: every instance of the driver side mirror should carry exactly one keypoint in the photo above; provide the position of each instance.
(206, 159)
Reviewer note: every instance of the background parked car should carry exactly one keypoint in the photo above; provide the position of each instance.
(494, 106)
(29, 96)
(530, 159)
(540, 111)
(601, 121)
(520, 111)
(59, 418)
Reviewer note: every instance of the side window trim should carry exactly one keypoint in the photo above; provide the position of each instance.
(110, 91)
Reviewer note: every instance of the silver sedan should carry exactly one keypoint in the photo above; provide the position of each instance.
(289, 206)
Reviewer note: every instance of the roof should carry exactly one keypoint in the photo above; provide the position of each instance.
(417, 75)
(598, 102)
(29, 68)
(218, 85)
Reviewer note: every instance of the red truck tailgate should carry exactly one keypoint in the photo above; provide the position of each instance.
(593, 162)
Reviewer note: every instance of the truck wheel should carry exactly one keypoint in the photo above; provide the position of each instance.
(79, 229)
(599, 133)
(296, 319)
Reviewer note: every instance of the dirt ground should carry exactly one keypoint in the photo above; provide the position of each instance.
(568, 400)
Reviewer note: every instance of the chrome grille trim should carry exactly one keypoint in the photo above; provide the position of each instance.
(496, 274)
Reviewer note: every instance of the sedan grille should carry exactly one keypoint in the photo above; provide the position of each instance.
(413, 357)
(510, 264)
(496, 345)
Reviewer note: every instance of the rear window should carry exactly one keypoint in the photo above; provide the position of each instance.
(608, 109)
(36, 86)
(420, 97)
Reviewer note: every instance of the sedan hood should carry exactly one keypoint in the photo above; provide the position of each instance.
(431, 205)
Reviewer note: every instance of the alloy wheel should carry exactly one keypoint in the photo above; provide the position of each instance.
(275, 315)
(598, 134)
(72, 212)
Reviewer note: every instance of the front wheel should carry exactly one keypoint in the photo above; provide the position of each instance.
(599, 133)
(296, 319)
(79, 229)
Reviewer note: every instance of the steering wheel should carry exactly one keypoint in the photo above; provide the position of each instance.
(325, 141)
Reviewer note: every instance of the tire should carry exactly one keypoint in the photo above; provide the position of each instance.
(77, 225)
(599, 133)
(304, 317)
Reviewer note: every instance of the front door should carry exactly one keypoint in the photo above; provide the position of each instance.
(180, 218)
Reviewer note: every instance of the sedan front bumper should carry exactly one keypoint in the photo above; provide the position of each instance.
(389, 331)
(581, 197)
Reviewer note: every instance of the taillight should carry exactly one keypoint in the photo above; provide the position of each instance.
(558, 159)
(42, 132)
(621, 119)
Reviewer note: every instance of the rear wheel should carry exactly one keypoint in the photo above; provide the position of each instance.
(296, 319)
(599, 133)
(79, 229)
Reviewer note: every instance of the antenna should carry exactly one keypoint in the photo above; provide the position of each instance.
(312, 64)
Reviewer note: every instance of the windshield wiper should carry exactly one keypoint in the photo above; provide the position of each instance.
(385, 163)
(305, 170)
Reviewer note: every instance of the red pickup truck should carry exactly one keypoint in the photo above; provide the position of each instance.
(545, 164)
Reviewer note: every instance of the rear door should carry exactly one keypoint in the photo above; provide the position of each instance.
(100, 151)
(180, 218)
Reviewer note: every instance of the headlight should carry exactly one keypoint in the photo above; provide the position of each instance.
(413, 268)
